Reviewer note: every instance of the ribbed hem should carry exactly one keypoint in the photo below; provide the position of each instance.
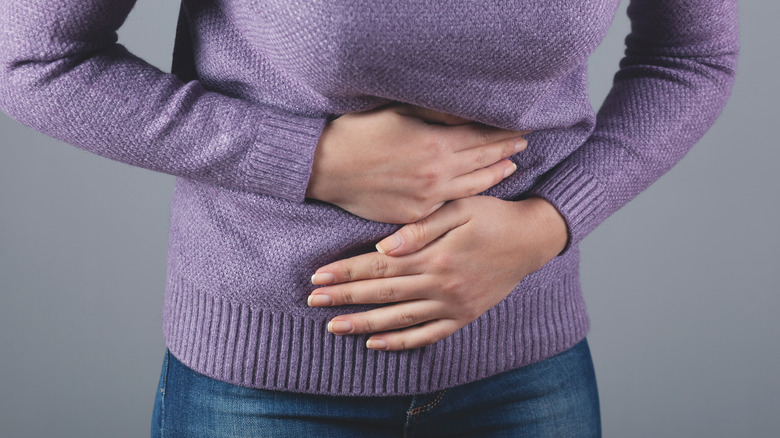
(577, 195)
(273, 349)
(281, 160)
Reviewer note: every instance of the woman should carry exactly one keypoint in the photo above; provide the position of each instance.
(303, 133)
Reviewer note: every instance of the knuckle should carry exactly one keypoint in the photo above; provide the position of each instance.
(368, 326)
(380, 266)
(347, 273)
(388, 294)
(346, 296)
(416, 232)
(426, 189)
(452, 285)
(462, 294)
(483, 134)
(442, 262)
(438, 145)
(481, 159)
(405, 319)
(432, 175)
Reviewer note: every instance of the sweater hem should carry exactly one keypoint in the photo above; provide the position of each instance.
(282, 350)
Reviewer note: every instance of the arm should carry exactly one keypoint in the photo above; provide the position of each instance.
(440, 274)
(63, 73)
(673, 82)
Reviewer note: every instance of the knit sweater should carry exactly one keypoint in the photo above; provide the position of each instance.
(237, 121)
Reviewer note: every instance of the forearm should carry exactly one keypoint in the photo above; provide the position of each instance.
(63, 73)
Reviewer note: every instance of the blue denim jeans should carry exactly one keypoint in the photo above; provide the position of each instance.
(556, 397)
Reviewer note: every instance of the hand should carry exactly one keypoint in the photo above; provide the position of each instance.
(390, 165)
(442, 272)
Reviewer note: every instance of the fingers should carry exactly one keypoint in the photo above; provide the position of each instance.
(460, 132)
(363, 267)
(413, 237)
(463, 137)
(418, 320)
(414, 337)
(401, 315)
(480, 180)
(472, 159)
(373, 291)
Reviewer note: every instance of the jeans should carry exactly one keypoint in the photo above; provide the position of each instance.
(556, 397)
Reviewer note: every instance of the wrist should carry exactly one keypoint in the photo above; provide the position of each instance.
(551, 224)
(317, 187)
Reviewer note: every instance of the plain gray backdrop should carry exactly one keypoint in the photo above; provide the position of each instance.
(681, 284)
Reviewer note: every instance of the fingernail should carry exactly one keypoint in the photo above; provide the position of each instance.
(520, 145)
(389, 243)
(376, 344)
(319, 300)
(342, 327)
(510, 170)
(324, 278)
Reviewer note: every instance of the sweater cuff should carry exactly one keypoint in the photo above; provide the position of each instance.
(279, 163)
(577, 195)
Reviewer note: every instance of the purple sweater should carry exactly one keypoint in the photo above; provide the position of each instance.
(237, 122)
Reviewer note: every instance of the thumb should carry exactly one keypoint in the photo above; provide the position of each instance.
(415, 236)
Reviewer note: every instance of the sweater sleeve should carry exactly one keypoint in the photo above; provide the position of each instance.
(673, 82)
(63, 73)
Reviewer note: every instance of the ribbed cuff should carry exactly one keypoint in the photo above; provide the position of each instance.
(280, 162)
(291, 351)
(577, 195)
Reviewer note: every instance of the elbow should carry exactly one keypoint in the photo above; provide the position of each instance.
(22, 68)
(21, 61)
(28, 81)
(721, 70)
(11, 89)
(40, 47)
(724, 59)
(17, 85)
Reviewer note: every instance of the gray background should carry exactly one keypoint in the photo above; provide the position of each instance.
(681, 284)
